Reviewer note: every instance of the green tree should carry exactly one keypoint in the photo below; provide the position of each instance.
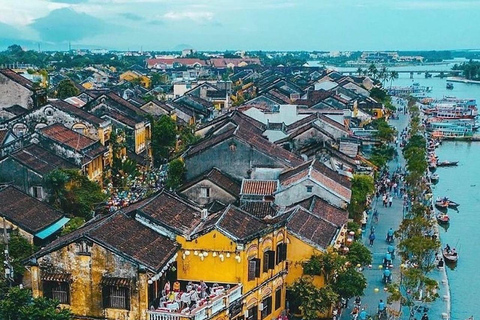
(164, 137)
(372, 70)
(311, 300)
(18, 304)
(66, 88)
(19, 249)
(175, 174)
(362, 187)
(349, 283)
(393, 76)
(73, 193)
(72, 225)
(359, 254)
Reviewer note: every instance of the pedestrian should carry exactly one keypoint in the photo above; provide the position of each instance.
(425, 316)
(371, 238)
(390, 200)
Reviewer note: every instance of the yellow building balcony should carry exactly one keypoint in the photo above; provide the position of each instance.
(209, 309)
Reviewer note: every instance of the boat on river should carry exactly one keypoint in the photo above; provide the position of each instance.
(449, 86)
(450, 255)
(434, 177)
(447, 163)
(441, 204)
(443, 218)
(446, 203)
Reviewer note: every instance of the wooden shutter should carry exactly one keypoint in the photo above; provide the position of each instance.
(257, 267)
(284, 252)
(271, 259)
(251, 269)
(266, 261)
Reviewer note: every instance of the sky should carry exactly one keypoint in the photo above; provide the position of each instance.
(326, 25)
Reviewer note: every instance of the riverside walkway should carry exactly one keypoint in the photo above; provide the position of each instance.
(391, 217)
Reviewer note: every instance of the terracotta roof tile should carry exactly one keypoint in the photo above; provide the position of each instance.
(41, 160)
(3, 135)
(310, 228)
(324, 210)
(171, 211)
(259, 187)
(259, 209)
(62, 134)
(239, 224)
(124, 236)
(25, 211)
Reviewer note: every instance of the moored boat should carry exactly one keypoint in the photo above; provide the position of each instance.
(441, 204)
(450, 255)
(446, 202)
(434, 177)
(447, 163)
(449, 85)
(443, 218)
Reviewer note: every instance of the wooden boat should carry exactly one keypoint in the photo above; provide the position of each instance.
(443, 218)
(445, 202)
(450, 256)
(449, 85)
(447, 163)
(434, 177)
(441, 204)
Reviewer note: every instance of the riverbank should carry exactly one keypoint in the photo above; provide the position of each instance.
(462, 80)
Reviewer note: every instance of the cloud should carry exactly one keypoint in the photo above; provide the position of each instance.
(198, 16)
(131, 16)
(70, 1)
(67, 25)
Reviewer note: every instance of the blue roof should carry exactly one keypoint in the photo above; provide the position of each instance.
(52, 228)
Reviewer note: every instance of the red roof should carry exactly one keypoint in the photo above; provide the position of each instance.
(62, 134)
(259, 187)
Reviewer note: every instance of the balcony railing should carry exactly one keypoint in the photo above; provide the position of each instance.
(212, 307)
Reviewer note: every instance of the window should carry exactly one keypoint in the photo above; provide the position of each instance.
(278, 298)
(57, 290)
(309, 189)
(205, 192)
(252, 313)
(253, 269)
(116, 297)
(37, 192)
(281, 252)
(268, 260)
(267, 307)
(83, 248)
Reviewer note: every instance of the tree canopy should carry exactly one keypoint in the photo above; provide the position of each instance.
(66, 88)
(73, 193)
(362, 187)
(175, 174)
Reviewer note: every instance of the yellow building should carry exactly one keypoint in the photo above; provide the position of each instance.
(129, 76)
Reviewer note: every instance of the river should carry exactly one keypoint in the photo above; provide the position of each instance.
(461, 184)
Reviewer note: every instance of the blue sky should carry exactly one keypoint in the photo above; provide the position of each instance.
(244, 24)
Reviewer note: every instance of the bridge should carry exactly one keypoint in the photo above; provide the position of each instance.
(413, 72)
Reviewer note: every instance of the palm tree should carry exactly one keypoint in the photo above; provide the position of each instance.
(372, 70)
(393, 76)
(359, 71)
(384, 75)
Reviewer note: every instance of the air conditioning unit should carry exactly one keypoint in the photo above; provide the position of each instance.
(260, 307)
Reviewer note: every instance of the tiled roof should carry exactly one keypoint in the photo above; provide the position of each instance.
(171, 211)
(26, 212)
(324, 210)
(171, 61)
(12, 75)
(259, 209)
(62, 134)
(120, 117)
(326, 171)
(124, 236)
(130, 237)
(40, 160)
(78, 112)
(16, 110)
(3, 135)
(310, 228)
(259, 187)
(239, 224)
(219, 178)
(224, 62)
(126, 104)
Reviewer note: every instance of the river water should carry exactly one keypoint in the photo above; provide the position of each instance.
(461, 184)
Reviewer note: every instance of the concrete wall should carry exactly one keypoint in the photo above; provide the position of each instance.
(12, 93)
(298, 192)
(216, 193)
(233, 161)
(20, 176)
(86, 288)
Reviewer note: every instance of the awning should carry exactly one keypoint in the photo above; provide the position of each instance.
(117, 282)
(57, 277)
(45, 233)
